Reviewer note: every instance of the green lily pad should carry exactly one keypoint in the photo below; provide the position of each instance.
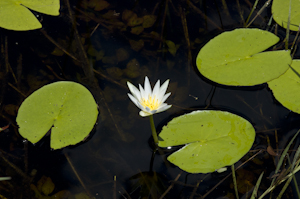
(281, 9)
(213, 139)
(286, 88)
(15, 15)
(68, 108)
(235, 58)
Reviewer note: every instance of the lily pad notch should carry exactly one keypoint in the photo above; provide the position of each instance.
(67, 108)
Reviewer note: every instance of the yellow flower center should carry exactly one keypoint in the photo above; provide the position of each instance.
(151, 103)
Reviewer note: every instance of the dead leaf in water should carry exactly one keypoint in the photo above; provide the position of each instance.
(271, 151)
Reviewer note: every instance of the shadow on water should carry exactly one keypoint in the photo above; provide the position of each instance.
(117, 161)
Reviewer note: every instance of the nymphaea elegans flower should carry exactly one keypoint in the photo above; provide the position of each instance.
(148, 100)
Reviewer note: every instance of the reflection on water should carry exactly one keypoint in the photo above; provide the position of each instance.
(115, 161)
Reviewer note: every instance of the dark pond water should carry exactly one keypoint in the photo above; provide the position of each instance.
(115, 160)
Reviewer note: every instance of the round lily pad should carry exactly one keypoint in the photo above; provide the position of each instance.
(15, 15)
(286, 88)
(235, 58)
(67, 108)
(281, 9)
(212, 139)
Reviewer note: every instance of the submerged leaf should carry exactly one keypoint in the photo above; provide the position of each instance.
(171, 47)
(67, 108)
(235, 58)
(148, 21)
(45, 185)
(212, 139)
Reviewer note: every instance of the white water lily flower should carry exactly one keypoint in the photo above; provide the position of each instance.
(150, 102)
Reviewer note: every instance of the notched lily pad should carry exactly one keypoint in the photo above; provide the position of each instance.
(212, 139)
(67, 108)
(15, 15)
(235, 58)
(286, 87)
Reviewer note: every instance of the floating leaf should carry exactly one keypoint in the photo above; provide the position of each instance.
(212, 139)
(68, 108)
(235, 58)
(281, 9)
(286, 88)
(15, 15)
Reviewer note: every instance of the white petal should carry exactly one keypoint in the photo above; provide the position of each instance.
(144, 95)
(144, 114)
(156, 89)
(165, 97)
(163, 89)
(134, 100)
(163, 108)
(135, 92)
(147, 87)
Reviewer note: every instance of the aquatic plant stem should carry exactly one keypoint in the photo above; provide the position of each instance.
(154, 134)
(234, 182)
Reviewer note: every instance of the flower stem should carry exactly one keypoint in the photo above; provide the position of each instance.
(154, 134)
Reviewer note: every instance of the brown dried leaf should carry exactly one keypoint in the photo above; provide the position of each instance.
(271, 151)
(11, 109)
